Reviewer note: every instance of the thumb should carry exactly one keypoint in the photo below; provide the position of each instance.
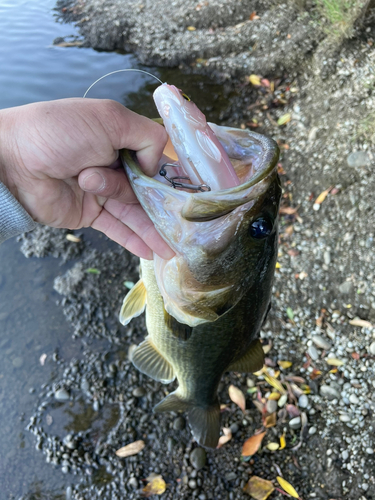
(107, 183)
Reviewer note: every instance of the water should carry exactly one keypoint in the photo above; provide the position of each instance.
(31, 324)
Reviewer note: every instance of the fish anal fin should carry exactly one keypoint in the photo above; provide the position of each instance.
(204, 421)
(251, 361)
(134, 303)
(148, 360)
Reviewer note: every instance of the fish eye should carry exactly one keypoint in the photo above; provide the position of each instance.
(185, 96)
(261, 228)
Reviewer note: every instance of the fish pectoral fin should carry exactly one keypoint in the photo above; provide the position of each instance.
(149, 361)
(251, 361)
(134, 303)
(204, 422)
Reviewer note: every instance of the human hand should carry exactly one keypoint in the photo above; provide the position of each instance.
(59, 159)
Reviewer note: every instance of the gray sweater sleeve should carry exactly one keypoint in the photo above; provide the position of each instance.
(13, 217)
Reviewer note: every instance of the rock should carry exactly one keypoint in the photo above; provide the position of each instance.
(372, 348)
(327, 258)
(345, 455)
(133, 483)
(192, 484)
(62, 395)
(271, 406)
(17, 362)
(358, 159)
(344, 417)
(139, 392)
(313, 353)
(329, 392)
(281, 402)
(312, 430)
(353, 399)
(346, 288)
(303, 401)
(179, 423)
(198, 458)
(295, 423)
(234, 428)
(321, 342)
(230, 476)
(369, 451)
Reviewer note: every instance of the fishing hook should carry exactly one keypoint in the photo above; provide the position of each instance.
(176, 184)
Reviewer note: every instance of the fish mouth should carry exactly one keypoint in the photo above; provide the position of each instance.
(202, 227)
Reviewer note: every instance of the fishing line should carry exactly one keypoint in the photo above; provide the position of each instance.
(120, 71)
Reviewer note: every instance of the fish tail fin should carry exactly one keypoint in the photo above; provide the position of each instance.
(204, 422)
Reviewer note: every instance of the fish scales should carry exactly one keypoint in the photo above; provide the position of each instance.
(205, 307)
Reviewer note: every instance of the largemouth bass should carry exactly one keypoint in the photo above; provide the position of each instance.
(205, 306)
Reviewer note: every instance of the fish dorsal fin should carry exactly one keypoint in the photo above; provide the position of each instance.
(134, 303)
(149, 361)
(251, 361)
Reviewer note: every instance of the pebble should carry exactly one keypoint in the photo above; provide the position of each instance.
(353, 399)
(344, 418)
(230, 476)
(312, 430)
(329, 392)
(313, 353)
(198, 458)
(95, 405)
(346, 287)
(202, 496)
(179, 423)
(303, 401)
(345, 455)
(327, 258)
(321, 342)
(17, 362)
(369, 451)
(62, 395)
(234, 428)
(372, 348)
(139, 392)
(192, 484)
(271, 406)
(358, 159)
(281, 402)
(295, 423)
(133, 483)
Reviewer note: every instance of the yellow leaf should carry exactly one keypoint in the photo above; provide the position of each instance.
(130, 449)
(287, 487)
(285, 364)
(275, 396)
(359, 322)
(334, 362)
(227, 436)
(191, 28)
(284, 119)
(273, 446)
(275, 383)
(270, 420)
(278, 265)
(254, 80)
(258, 488)
(282, 442)
(322, 196)
(251, 445)
(237, 396)
(155, 486)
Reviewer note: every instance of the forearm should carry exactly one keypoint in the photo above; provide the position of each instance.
(14, 219)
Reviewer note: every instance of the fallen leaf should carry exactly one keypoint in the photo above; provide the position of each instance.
(287, 487)
(253, 16)
(355, 356)
(285, 364)
(293, 411)
(254, 80)
(274, 383)
(278, 265)
(92, 270)
(322, 196)
(258, 488)
(237, 396)
(288, 210)
(290, 313)
(74, 239)
(265, 82)
(273, 446)
(155, 486)
(361, 322)
(191, 28)
(252, 445)
(131, 449)
(282, 441)
(334, 362)
(283, 120)
(227, 436)
(315, 374)
(270, 420)
(275, 396)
